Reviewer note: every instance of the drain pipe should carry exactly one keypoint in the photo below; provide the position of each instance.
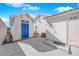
(69, 46)
(69, 50)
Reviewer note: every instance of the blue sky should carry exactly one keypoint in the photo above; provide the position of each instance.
(8, 9)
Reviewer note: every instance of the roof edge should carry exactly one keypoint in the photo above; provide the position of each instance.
(53, 15)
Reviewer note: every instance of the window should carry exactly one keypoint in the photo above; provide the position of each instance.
(24, 21)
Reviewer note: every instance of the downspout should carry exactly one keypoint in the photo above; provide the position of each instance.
(69, 46)
(67, 32)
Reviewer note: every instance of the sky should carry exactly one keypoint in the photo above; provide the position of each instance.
(33, 9)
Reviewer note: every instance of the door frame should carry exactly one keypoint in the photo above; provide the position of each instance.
(27, 23)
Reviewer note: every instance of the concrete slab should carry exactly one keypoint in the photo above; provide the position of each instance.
(30, 51)
(39, 45)
(12, 49)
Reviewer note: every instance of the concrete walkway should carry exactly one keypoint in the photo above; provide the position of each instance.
(37, 47)
(12, 49)
(34, 47)
(38, 44)
(30, 51)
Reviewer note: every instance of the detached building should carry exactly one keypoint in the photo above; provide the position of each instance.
(22, 26)
(3, 29)
(65, 26)
(40, 24)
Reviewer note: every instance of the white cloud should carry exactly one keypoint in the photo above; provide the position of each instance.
(62, 9)
(25, 6)
(32, 15)
(15, 4)
(33, 8)
(78, 5)
(6, 21)
(30, 7)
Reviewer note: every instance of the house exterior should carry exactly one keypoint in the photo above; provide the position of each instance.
(22, 26)
(40, 24)
(65, 26)
(3, 29)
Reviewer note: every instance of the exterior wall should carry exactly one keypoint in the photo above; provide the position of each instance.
(16, 26)
(73, 33)
(3, 29)
(31, 25)
(31, 28)
(41, 26)
(1, 32)
(57, 30)
(67, 27)
(50, 31)
(60, 31)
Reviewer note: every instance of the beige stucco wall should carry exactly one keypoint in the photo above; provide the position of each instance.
(16, 26)
(3, 29)
(1, 32)
(31, 24)
(15, 29)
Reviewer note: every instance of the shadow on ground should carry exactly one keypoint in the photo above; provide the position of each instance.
(39, 45)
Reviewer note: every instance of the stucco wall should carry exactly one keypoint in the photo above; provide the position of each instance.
(41, 26)
(67, 27)
(16, 26)
(60, 31)
(3, 29)
(31, 28)
(1, 32)
(31, 24)
(57, 29)
(73, 33)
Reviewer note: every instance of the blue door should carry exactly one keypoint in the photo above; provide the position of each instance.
(24, 30)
